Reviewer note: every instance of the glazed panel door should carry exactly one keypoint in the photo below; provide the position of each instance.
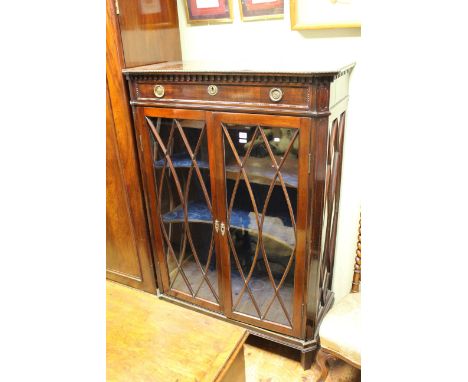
(265, 165)
(177, 162)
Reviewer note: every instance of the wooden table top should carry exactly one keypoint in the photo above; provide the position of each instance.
(320, 65)
(152, 340)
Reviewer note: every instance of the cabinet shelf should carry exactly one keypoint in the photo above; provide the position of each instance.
(181, 161)
(259, 171)
(274, 227)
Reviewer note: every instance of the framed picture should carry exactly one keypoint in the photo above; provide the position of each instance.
(208, 11)
(325, 14)
(261, 9)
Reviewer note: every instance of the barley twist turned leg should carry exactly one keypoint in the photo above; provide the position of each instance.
(357, 265)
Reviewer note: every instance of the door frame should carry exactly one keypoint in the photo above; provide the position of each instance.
(303, 124)
(151, 198)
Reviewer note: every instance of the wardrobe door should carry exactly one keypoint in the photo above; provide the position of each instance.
(177, 166)
(265, 163)
(128, 256)
(128, 248)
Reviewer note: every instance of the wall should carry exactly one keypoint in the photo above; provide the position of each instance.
(273, 42)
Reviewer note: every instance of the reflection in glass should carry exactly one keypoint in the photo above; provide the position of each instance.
(261, 183)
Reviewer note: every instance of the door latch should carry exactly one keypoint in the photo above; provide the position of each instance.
(223, 228)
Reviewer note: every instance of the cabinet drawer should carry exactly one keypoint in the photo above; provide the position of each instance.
(296, 97)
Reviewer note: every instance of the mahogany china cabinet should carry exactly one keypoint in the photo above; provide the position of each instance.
(241, 175)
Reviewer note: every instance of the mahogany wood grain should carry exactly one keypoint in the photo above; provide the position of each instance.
(174, 113)
(127, 236)
(151, 198)
(302, 227)
(317, 185)
(215, 174)
(336, 190)
(294, 97)
(122, 252)
(267, 120)
(291, 71)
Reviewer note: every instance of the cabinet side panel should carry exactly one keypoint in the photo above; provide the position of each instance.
(319, 136)
(327, 142)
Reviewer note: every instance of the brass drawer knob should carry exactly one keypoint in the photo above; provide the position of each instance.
(276, 94)
(212, 90)
(159, 91)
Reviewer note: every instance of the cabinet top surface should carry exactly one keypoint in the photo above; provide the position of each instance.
(318, 68)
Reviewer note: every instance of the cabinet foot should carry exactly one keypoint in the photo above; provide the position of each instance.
(307, 359)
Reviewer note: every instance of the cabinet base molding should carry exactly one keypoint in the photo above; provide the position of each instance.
(292, 342)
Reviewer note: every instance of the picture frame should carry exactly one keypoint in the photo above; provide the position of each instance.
(261, 9)
(324, 14)
(208, 11)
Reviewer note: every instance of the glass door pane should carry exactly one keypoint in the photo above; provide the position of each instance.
(184, 206)
(261, 166)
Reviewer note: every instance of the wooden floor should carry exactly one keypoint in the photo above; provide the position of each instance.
(265, 361)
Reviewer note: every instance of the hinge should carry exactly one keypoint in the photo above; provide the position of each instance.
(310, 161)
(141, 143)
(117, 10)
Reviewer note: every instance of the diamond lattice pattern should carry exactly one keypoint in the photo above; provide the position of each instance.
(181, 168)
(261, 183)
